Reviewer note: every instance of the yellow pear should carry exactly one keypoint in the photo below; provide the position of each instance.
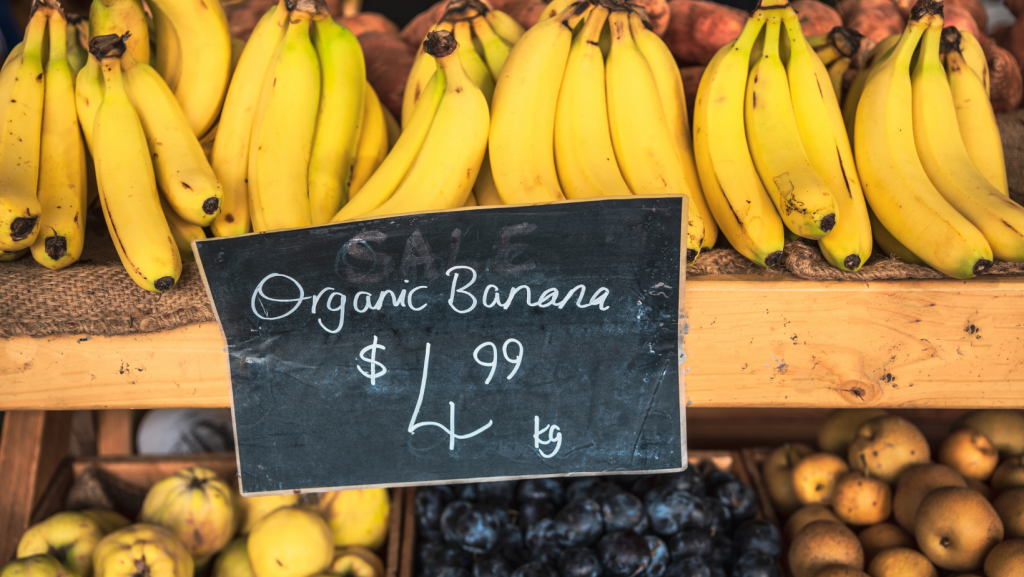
(916, 482)
(821, 544)
(142, 549)
(969, 453)
(1006, 559)
(860, 500)
(233, 560)
(68, 537)
(814, 478)
(357, 517)
(778, 475)
(256, 508)
(1004, 427)
(901, 562)
(290, 542)
(840, 571)
(109, 521)
(1010, 507)
(840, 428)
(196, 505)
(886, 446)
(1009, 474)
(806, 515)
(882, 536)
(36, 566)
(956, 528)
(357, 562)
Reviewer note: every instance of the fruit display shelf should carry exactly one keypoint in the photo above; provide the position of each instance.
(752, 341)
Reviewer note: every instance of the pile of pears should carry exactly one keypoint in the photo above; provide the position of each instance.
(874, 499)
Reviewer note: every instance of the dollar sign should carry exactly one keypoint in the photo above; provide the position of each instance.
(374, 372)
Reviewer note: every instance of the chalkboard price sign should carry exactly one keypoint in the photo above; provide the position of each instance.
(453, 346)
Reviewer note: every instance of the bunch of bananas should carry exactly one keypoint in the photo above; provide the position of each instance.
(836, 49)
(937, 188)
(772, 149)
(598, 113)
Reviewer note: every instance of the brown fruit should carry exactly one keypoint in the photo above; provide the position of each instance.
(369, 22)
(901, 562)
(886, 446)
(815, 476)
(816, 17)
(915, 484)
(1004, 427)
(840, 426)
(876, 23)
(1009, 474)
(956, 528)
(388, 62)
(1007, 85)
(778, 475)
(657, 13)
(860, 500)
(969, 453)
(416, 30)
(1006, 559)
(980, 487)
(697, 29)
(840, 571)
(821, 544)
(806, 515)
(1010, 507)
(882, 536)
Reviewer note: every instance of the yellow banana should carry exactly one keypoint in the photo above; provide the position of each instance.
(15, 53)
(504, 26)
(889, 245)
(973, 53)
(62, 185)
(183, 173)
(13, 255)
(282, 141)
(835, 74)
(673, 102)
(184, 232)
(168, 53)
(476, 68)
(554, 8)
(861, 80)
(895, 183)
(818, 40)
(584, 155)
(946, 161)
(385, 180)
(342, 91)
(373, 142)
(120, 16)
(484, 189)
(823, 135)
(88, 96)
(204, 49)
(523, 111)
(443, 173)
(731, 185)
(22, 88)
(801, 196)
(976, 119)
(423, 68)
(77, 54)
(230, 159)
(495, 49)
(471, 201)
(394, 129)
(126, 181)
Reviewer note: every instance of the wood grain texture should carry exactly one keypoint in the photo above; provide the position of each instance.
(115, 432)
(752, 342)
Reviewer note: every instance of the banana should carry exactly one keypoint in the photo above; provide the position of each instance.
(13, 255)
(385, 180)
(673, 102)
(394, 129)
(476, 68)
(77, 54)
(861, 80)
(471, 201)
(342, 91)
(423, 68)
(373, 142)
(504, 26)
(62, 185)
(895, 183)
(168, 52)
(823, 135)
(443, 173)
(204, 52)
(818, 40)
(801, 196)
(22, 88)
(584, 155)
(126, 181)
(282, 141)
(835, 73)
(183, 173)
(88, 96)
(15, 53)
(484, 189)
(495, 49)
(230, 159)
(976, 118)
(523, 111)
(889, 245)
(946, 161)
(974, 54)
(120, 16)
(553, 9)
(730, 182)
(184, 232)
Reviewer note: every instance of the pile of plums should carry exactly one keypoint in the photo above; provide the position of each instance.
(698, 523)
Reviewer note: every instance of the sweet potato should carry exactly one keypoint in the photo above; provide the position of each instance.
(691, 81)
(1015, 6)
(1004, 77)
(369, 22)
(657, 13)
(816, 17)
(526, 12)
(388, 61)
(416, 30)
(1013, 40)
(242, 17)
(697, 29)
(962, 19)
(849, 8)
(876, 23)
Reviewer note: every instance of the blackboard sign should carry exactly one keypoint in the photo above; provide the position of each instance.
(454, 346)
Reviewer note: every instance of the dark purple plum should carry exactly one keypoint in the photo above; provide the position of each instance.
(759, 535)
(541, 533)
(605, 491)
(669, 510)
(690, 543)
(541, 490)
(739, 498)
(467, 492)
(688, 567)
(535, 569)
(623, 553)
(454, 572)
(645, 483)
(582, 488)
(497, 493)
(624, 511)
(719, 517)
(716, 478)
(579, 523)
(430, 503)
(660, 557)
(755, 564)
(532, 511)
(435, 557)
(723, 551)
(491, 565)
(477, 529)
(450, 515)
(548, 553)
(688, 480)
(579, 562)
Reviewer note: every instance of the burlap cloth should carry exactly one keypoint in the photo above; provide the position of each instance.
(95, 296)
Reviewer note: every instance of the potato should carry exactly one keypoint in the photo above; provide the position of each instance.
(876, 23)
(697, 29)
(1004, 77)
(416, 30)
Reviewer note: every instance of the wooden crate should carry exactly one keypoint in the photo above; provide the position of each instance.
(731, 461)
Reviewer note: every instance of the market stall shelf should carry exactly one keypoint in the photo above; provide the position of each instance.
(753, 341)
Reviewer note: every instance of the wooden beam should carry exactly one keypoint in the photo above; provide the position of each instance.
(753, 342)
(115, 432)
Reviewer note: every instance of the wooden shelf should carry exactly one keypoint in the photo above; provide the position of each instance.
(753, 342)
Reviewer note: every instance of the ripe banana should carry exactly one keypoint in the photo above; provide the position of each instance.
(88, 96)
(443, 173)
(504, 25)
(801, 196)
(21, 90)
(553, 9)
(423, 68)
(495, 49)
(394, 129)
(167, 56)
(673, 103)
(204, 52)
(889, 245)
(484, 189)
(77, 54)
(523, 111)
(342, 89)
(184, 232)
(976, 119)
(823, 135)
(373, 142)
(835, 73)
(584, 155)
(895, 183)
(385, 180)
(183, 173)
(946, 161)
(282, 140)
(973, 53)
(471, 201)
(126, 181)
(62, 185)
(476, 68)
(731, 185)
(861, 80)
(13, 255)
(230, 159)
(118, 17)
